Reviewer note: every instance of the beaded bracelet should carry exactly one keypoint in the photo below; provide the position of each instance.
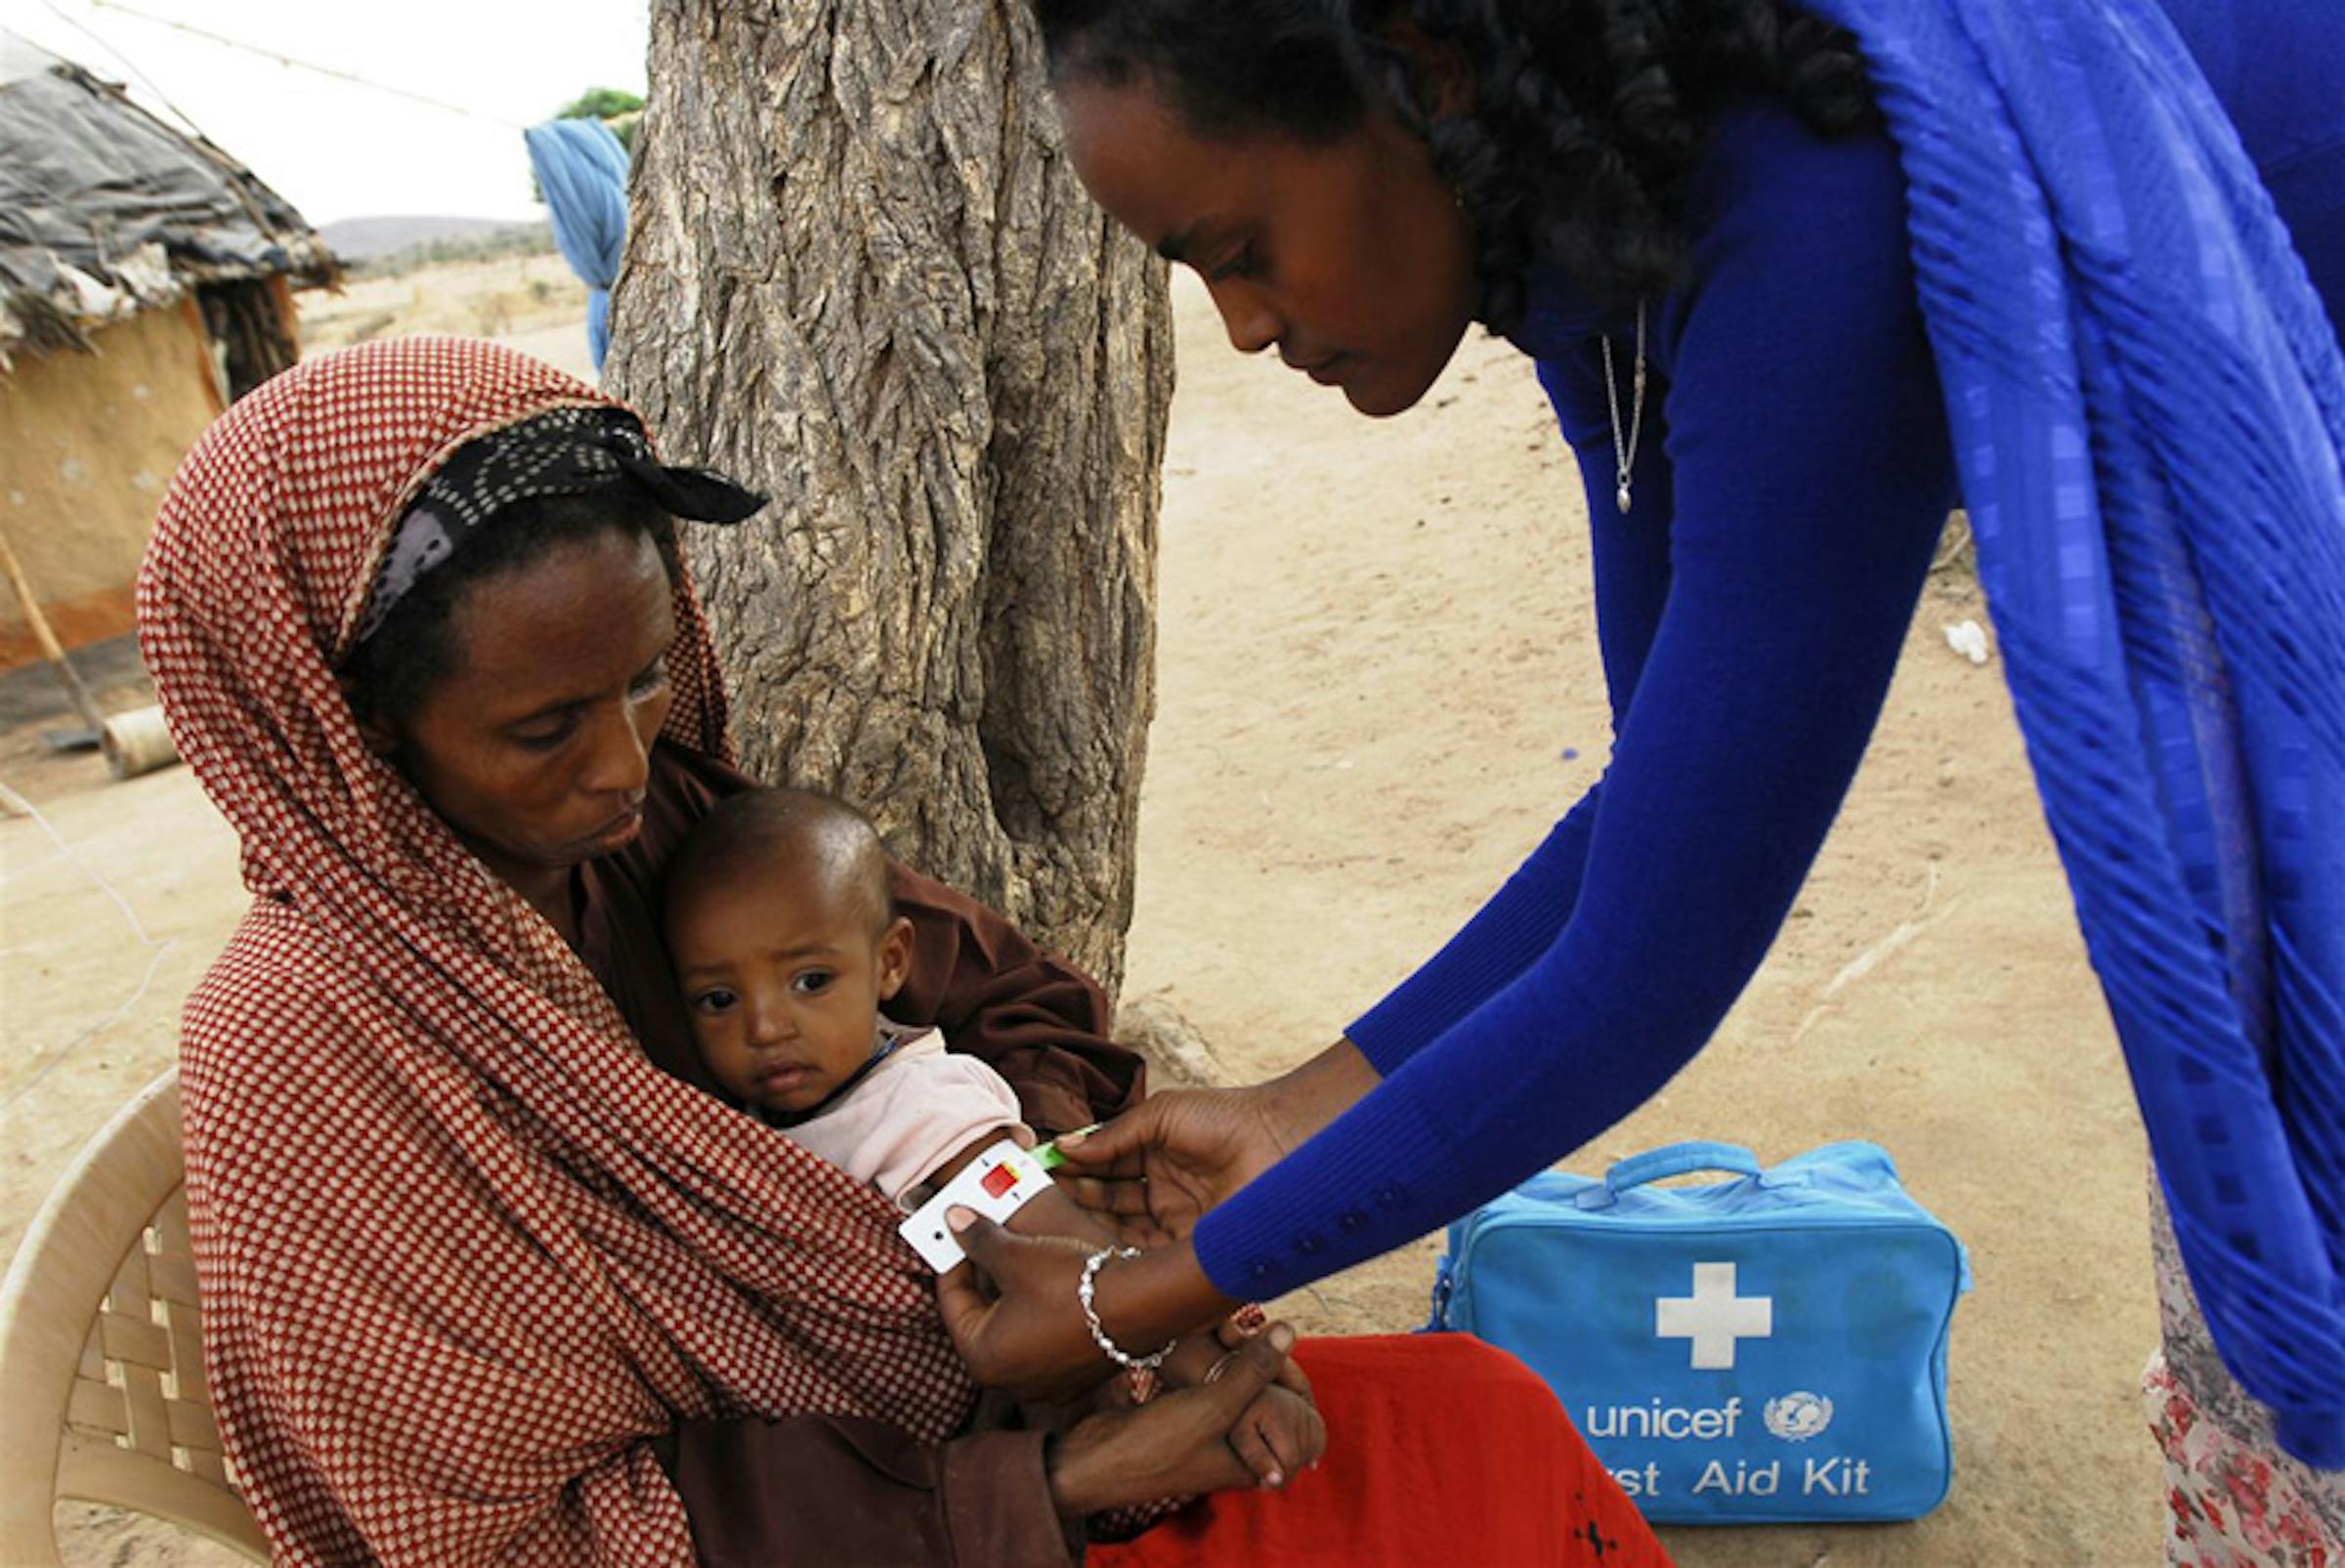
(1091, 1314)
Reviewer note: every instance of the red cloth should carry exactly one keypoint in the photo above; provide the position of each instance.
(1440, 1449)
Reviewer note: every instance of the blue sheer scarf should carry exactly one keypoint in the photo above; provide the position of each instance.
(2148, 408)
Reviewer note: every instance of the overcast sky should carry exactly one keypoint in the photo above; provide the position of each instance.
(337, 149)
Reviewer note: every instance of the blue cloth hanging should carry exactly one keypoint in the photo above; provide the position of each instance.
(2148, 406)
(582, 169)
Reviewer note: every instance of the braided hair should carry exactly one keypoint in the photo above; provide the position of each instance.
(1586, 120)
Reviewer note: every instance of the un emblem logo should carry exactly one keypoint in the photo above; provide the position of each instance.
(1799, 1416)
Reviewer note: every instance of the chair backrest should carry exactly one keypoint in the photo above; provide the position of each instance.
(103, 1397)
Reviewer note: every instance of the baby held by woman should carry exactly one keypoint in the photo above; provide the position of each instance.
(785, 946)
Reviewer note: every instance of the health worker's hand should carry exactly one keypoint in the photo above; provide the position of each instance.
(1159, 1168)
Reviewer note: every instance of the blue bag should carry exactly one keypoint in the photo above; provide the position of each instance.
(1765, 1350)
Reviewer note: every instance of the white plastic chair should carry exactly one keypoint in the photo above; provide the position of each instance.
(103, 1397)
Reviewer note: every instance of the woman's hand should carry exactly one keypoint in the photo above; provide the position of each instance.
(1157, 1168)
(1016, 1318)
(1186, 1441)
(1279, 1435)
(1014, 1315)
(1281, 1432)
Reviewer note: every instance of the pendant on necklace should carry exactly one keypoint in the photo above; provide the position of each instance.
(1622, 494)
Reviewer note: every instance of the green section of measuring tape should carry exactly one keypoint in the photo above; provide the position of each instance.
(1048, 1154)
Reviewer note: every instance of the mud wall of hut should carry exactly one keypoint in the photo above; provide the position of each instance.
(87, 444)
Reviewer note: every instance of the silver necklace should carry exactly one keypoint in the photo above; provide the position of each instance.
(1624, 452)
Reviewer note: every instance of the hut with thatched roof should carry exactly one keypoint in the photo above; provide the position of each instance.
(146, 282)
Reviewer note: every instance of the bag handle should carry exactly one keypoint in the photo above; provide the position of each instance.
(1673, 1160)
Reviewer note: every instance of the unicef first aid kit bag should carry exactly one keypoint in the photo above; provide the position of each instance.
(1766, 1350)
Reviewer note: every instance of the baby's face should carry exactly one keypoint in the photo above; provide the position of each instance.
(783, 978)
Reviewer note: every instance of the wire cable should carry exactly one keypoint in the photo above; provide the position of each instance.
(333, 71)
(126, 63)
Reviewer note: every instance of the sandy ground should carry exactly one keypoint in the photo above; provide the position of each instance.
(514, 296)
(1380, 686)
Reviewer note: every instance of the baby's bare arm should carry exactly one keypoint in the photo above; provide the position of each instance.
(1047, 1213)
(1054, 1213)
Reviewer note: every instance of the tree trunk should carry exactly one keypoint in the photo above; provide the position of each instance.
(863, 278)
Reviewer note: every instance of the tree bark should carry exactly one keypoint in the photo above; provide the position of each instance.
(863, 278)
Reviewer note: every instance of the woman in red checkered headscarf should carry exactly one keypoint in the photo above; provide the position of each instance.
(488, 1270)
(473, 1263)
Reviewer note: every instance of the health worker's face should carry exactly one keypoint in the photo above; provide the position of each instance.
(1350, 257)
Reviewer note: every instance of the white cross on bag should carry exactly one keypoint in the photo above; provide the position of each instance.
(1714, 1317)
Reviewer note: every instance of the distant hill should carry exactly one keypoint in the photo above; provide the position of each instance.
(368, 239)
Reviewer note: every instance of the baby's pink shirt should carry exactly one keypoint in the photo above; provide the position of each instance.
(916, 1109)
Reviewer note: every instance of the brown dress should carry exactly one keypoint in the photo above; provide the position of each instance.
(828, 1490)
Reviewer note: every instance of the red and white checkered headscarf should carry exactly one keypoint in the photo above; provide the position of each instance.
(462, 1247)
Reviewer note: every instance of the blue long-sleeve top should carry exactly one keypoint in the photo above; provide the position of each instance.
(1792, 481)
(1788, 490)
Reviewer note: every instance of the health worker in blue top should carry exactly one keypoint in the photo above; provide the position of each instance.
(1800, 278)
